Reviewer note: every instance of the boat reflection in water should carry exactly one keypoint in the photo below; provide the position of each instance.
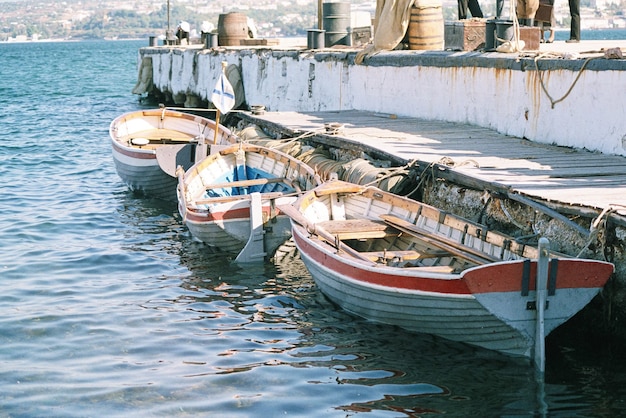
(201, 333)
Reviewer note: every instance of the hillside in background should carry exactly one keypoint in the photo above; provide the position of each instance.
(90, 19)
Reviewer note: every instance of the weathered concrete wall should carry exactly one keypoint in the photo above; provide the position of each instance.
(499, 91)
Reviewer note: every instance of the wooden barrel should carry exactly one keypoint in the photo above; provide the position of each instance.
(426, 28)
(232, 28)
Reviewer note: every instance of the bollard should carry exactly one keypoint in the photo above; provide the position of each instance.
(315, 38)
(210, 40)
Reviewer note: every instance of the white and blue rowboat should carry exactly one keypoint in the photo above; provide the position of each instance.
(230, 199)
(148, 146)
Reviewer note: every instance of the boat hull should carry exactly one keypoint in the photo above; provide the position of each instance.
(231, 198)
(450, 289)
(139, 138)
(142, 174)
(454, 316)
(227, 227)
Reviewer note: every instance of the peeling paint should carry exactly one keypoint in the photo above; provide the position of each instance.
(311, 78)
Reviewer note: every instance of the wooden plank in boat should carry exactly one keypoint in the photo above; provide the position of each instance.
(356, 229)
(388, 255)
(223, 199)
(333, 187)
(480, 232)
(460, 250)
(322, 234)
(432, 269)
(245, 183)
(163, 135)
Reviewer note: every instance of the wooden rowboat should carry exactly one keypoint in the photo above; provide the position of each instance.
(397, 261)
(148, 145)
(230, 199)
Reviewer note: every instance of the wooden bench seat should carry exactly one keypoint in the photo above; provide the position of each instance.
(246, 183)
(357, 229)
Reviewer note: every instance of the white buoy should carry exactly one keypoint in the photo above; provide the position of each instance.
(140, 142)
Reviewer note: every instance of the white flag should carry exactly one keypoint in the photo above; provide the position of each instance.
(223, 95)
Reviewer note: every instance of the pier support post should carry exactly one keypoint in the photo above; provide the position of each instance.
(541, 290)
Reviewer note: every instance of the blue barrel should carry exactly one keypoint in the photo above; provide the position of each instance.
(336, 22)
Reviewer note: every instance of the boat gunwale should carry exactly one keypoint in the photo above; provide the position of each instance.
(195, 171)
(376, 268)
(122, 140)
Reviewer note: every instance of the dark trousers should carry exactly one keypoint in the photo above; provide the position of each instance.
(574, 11)
(474, 8)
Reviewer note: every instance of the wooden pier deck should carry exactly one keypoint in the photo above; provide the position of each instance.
(560, 177)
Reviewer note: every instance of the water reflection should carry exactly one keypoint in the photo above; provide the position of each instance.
(276, 319)
(262, 340)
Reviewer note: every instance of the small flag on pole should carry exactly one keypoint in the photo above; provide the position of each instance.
(223, 95)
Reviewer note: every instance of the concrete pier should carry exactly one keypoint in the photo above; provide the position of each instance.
(564, 95)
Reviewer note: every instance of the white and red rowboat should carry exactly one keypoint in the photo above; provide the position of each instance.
(397, 261)
(148, 145)
(230, 199)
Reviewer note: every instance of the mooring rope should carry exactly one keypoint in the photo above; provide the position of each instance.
(510, 217)
(394, 172)
(543, 86)
(598, 227)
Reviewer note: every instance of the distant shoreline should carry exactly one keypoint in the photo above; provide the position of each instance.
(560, 34)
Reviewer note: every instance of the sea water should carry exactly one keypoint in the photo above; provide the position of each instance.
(109, 308)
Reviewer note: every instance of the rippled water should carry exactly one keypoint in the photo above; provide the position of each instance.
(108, 308)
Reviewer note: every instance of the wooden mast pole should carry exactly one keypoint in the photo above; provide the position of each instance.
(217, 114)
(320, 24)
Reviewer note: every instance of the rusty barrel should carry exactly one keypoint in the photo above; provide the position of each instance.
(426, 28)
(232, 28)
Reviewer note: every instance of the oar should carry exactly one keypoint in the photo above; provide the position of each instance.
(453, 247)
(246, 183)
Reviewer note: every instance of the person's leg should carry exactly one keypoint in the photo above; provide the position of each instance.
(462, 7)
(552, 25)
(520, 10)
(542, 27)
(474, 8)
(574, 10)
(531, 11)
(499, 8)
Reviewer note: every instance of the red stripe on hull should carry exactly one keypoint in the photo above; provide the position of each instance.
(363, 273)
(231, 214)
(507, 277)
